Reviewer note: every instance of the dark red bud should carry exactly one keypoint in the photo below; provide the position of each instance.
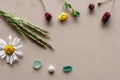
(48, 16)
(99, 4)
(106, 16)
(91, 7)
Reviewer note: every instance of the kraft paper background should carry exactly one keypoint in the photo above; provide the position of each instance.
(91, 48)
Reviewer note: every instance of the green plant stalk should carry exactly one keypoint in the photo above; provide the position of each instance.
(32, 35)
(19, 24)
(41, 31)
(14, 26)
(38, 31)
(35, 37)
(23, 32)
(26, 22)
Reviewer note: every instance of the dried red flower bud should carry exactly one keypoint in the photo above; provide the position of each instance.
(106, 16)
(99, 4)
(48, 16)
(91, 7)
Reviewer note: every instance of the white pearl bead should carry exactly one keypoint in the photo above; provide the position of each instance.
(51, 69)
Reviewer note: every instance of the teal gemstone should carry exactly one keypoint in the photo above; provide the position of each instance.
(37, 64)
(67, 68)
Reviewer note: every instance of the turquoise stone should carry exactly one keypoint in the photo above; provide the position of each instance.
(37, 64)
(67, 68)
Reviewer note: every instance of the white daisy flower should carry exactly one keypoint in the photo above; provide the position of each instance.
(11, 50)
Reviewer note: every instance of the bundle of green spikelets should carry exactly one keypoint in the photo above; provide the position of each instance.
(24, 28)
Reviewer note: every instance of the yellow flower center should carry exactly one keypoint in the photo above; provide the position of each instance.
(9, 49)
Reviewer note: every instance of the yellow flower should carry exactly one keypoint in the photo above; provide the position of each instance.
(63, 16)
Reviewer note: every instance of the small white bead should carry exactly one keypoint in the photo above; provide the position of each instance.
(51, 69)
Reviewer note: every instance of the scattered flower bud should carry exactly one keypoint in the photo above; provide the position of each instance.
(91, 7)
(106, 16)
(99, 4)
(63, 16)
(48, 16)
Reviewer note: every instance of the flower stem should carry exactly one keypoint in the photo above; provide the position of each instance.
(103, 2)
(43, 5)
(63, 6)
(112, 5)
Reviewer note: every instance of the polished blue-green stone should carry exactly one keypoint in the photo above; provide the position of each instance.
(67, 68)
(37, 64)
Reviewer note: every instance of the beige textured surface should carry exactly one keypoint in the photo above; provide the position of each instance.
(92, 50)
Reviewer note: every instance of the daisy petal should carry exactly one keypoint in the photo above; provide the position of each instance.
(19, 46)
(15, 57)
(8, 59)
(19, 53)
(2, 53)
(17, 41)
(3, 56)
(3, 43)
(10, 39)
(2, 47)
(14, 41)
(11, 59)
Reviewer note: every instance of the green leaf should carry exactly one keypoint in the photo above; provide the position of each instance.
(75, 13)
(67, 5)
